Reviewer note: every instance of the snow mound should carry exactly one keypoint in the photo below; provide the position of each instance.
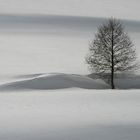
(127, 83)
(123, 80)
(55, 81)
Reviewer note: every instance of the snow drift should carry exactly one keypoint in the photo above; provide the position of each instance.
(54, 81)
(123, 80)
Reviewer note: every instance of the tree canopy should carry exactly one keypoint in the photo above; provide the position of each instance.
(111, 50)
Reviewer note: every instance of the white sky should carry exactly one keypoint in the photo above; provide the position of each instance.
(128, 9)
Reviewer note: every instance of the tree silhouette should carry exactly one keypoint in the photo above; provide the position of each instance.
(111, 51)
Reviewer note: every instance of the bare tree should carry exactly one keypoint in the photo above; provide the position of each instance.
(111, 51)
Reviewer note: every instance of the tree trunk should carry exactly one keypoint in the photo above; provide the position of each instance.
(112, 78)
(112, 60)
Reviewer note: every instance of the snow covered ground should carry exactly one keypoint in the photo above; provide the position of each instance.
(44, 93)
(74, 114)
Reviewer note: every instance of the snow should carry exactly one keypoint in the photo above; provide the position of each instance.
(55, 81)
(122, 80)
(74, 114)
(44, 91)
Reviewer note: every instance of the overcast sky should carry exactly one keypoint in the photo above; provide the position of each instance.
(128, 9)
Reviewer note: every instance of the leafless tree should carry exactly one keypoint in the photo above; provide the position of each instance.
(111, 51)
